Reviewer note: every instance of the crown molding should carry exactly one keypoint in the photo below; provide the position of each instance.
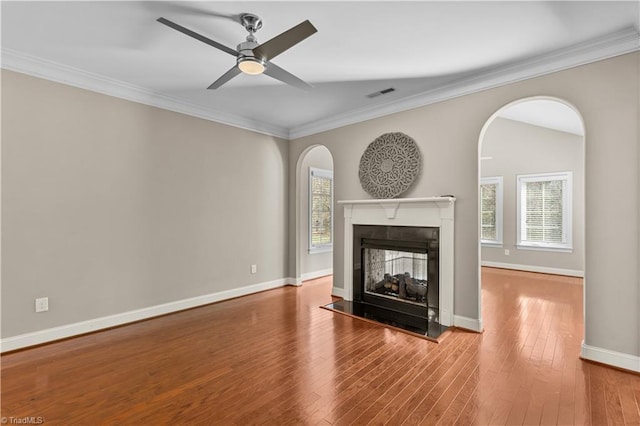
(621, 42)
(624, 41)
(27, 64)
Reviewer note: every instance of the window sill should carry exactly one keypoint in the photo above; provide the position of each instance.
(496, 244)
(318, 250)
(545, 248)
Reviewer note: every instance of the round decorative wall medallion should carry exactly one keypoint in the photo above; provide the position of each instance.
(389, 165)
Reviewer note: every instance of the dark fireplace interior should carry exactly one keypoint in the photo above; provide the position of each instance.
(395, 277)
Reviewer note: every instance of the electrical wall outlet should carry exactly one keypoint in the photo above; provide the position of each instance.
(254, 269)
(42, 304)
(506, 252)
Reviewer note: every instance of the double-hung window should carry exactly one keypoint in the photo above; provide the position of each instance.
(320, 210)
(544, 211)
(491, 211)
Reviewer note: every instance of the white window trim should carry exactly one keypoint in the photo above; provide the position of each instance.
(567, 218)
(498, 181)
(320, 248)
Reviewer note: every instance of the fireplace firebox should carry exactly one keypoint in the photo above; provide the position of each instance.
(396, 268)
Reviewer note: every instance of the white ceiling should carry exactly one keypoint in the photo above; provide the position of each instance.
(427, 51)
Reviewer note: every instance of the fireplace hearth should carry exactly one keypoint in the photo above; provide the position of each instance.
(429, 330)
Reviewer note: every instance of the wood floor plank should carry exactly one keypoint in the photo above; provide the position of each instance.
(343, 398)
(385, 406)
(612, 387)
(598, 400)
(463, 385)
(551, 406)
(347, 411)
(568, 390)
(425, 399)
(631, 408)
(276, 358)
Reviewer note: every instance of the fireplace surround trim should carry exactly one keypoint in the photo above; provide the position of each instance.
(427, 212)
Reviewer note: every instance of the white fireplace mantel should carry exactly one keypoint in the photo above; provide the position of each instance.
(427, 211)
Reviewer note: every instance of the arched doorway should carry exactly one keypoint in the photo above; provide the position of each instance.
(531, 168)
(314, 226)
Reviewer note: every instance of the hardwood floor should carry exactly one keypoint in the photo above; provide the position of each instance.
(277, 358)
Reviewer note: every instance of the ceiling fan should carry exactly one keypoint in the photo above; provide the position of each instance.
(252, 57)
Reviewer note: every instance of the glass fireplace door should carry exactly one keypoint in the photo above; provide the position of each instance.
(400, 275)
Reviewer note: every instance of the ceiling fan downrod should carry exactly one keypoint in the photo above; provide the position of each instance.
(251, 22)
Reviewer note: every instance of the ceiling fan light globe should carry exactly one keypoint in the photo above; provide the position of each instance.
(251, 66)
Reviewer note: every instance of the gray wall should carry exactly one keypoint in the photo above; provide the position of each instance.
(319, 158)
(518, 148)
(607, 95)
(110, 206)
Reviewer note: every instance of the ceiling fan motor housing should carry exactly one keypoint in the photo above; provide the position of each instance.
(246, 55)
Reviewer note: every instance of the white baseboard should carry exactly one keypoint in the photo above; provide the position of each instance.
(337, 291)
(317, 274)
(530, 268)
(613, 358)
(468, 323)
(69, 330)
(294, 281)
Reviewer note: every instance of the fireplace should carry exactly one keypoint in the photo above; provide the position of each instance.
(399, 258)
(397, 268)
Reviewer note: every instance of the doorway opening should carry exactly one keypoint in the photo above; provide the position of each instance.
(531, 168)
(315, 210)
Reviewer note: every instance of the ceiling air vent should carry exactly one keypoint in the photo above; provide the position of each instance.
(381, 92)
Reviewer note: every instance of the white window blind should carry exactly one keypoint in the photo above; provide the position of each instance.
(544, 216)
(491, 210)
(320, 210)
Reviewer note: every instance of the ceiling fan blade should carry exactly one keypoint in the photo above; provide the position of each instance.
(225, 77)
(197, 36)
(272, 48)
(274, 71)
